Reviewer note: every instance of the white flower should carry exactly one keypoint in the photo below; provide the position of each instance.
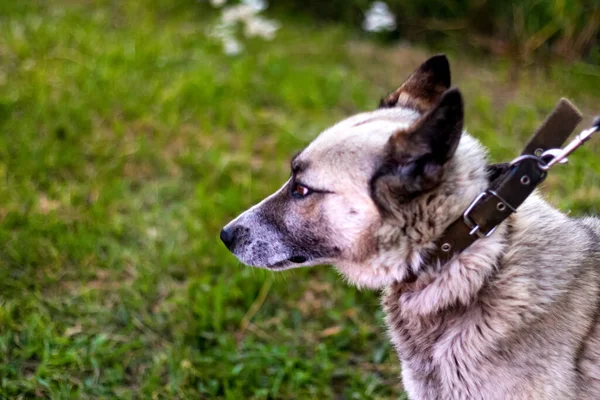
(245, 15)
(258, 5)
(261, 27)
(232, 47)
(221, 31)
(379, 18)
(241, 12)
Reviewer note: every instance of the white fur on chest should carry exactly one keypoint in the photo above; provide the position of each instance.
(440, 334)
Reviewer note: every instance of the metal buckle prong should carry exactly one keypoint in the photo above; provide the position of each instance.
(471, 224)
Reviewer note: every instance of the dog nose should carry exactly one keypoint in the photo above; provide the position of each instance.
(228, 237)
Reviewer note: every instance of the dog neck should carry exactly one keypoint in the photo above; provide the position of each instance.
(435, 288)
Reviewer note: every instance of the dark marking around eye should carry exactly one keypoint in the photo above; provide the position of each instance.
(353, 211)
(308, 241)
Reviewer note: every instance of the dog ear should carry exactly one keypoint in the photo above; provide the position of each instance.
(423, 88)
(414, 158)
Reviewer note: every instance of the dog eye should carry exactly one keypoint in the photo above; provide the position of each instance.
(299, 191)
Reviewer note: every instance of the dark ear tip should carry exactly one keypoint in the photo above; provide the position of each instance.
(440, 66)
(452, 97)
(439, 58)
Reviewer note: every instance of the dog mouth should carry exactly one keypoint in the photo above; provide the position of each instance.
(298, 259)
(293, 261)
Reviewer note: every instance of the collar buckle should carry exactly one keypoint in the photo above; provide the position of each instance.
(501, 206)
(515, 182)
(474, 227)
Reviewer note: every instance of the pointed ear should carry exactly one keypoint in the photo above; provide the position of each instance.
(423, 87)
(414, 158)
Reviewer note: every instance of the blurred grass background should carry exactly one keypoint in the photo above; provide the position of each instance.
(524, 30)
(127, 140)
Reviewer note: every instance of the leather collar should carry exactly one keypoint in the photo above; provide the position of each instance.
(510, 185)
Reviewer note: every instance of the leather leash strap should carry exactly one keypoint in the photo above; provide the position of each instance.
(555, 129)
(510, 189)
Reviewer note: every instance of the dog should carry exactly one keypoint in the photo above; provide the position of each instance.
(514, 316)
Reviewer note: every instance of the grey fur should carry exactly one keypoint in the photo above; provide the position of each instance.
(528, 331)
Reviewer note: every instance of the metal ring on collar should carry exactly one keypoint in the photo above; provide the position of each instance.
(517, 160)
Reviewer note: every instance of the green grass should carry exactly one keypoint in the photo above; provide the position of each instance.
(127, 139)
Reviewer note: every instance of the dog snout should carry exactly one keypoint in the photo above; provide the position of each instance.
(228, 236)
(234, 236)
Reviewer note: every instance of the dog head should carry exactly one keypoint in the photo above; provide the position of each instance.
(371, 193)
